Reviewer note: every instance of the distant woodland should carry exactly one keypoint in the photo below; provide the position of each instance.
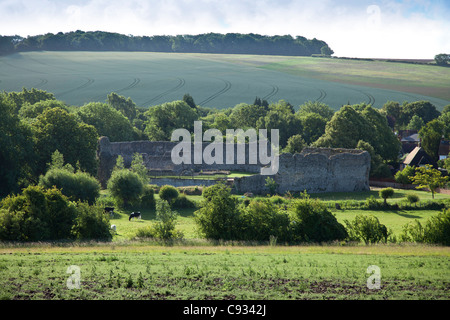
(230, 43)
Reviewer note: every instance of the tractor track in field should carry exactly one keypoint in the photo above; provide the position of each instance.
(181, 83)
(43, 82)
(83, 86)
(274, 91)
(323, 95)
(133, 84)
(218, 93)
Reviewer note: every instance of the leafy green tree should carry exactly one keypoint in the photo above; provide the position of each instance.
(166, 220)
(295, 144)
(313, 222)
(246, 115)
(29, 96)
(313, 126)
(442, 59)
(319, 108)
(326, 51)
(428, 177)
(107, 121)
(404, 176)
(189, 100)
(125, 105)
(271, 184)
(16, 148)
(366, 228)
(416, 123)
(378, 168)
(31, 111)
(138, 166)
(56, 129)
(431, 135)
(218, 218)
(165, 118)
(168, 193)
(125, 187)
(386, 193)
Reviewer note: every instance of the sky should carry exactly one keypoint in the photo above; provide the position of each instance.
(406, 29)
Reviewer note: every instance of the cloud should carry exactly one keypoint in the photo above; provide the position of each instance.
(378, 28)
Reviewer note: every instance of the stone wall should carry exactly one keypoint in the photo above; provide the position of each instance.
(314, 169)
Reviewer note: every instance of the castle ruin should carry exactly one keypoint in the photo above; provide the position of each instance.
(314, 169)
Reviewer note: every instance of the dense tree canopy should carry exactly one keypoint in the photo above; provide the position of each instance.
(203, 43)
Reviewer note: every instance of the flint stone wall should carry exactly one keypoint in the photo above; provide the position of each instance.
(314, 169)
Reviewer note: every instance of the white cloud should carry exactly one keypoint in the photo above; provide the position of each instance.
(391, 29)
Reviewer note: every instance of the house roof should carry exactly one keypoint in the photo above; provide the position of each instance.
(412, 138)
(418, 157)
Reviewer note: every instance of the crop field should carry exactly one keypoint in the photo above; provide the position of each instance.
(221, 81)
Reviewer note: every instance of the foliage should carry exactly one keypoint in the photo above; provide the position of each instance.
(124, 105)
(125, 187)
(366, 228)
(91, 223)
(168, 193)
(107, 120)
(431, 135)
(75, 185)
(295, 144)
(428, 177)
(442, 59)
(377, 166)
(386, 193)
(166, 218)
(313, 222)
(16, 147)
(183, 202)
(413, 198)
(147, 200)
(230, 43)
(218, 218)
(261, 220)
(51, 131)
(271, 184)
(138, 167)
(404, 176)
(436, 230)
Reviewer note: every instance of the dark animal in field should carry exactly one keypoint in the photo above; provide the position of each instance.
(110, 210)
(134, 215)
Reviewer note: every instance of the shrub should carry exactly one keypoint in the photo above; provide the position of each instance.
(261, 220)
(271, 184)
(182, 202)
(76, 186)
(125, 187)
(166, 221)
(404, 176)
(367, 229)
(436, 230)
(148, 197)
(168, 193)
(218, 218)
(36, 215)
(386, 193)
(313, 222)
(412, 198)
(91, 223)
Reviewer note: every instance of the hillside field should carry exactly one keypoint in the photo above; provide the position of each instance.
(222, 81)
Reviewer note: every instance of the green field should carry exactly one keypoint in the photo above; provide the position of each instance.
(196, 269)
(221, 81)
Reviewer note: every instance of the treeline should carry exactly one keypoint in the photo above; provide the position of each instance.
(231, 43)
(34, 124)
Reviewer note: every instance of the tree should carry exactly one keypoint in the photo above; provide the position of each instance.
(295, 144)
(138, 167)
(125, 105)
(164, 227)
(442, 59)
(386, 193)
(107, 120)
(326, 51)
(56, 129)
(125, 187)
(271, 184)
(377, 166)
(416, 123)
(165, 118)
(189, 100)
(16, 148)
(313, 126)
(366, 228)
(431, 135)
(168, 193)
(316, 107)
(404, 176)
(428, 177)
